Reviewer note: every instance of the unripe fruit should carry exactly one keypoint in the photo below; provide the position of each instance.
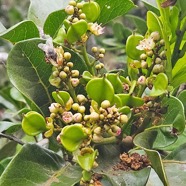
(105, 104)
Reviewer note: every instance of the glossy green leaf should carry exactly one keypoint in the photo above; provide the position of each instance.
(34, 166)
(33, 123)
(9, 126)
(139, 23)
(182, 5)
(54, 22)
(131, 101)
(178, 73)
(116, 82)
(4, 163)
(21, 31)
(182, 98)
(178, 153)
(112, 9)
(72, 136)
(76, 30)
(40, 9)
(153, 23)
(176, 172)
(100, 89)
(175, 113)
(160, 85)
(145, 141)
(29, 73)
(152, 6)
(107, 159)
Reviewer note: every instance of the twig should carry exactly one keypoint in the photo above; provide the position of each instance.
(13, 138)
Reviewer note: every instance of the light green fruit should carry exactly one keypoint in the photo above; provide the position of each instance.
(91, 10)
(33, 123)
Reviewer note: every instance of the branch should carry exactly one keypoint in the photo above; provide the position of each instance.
(13, 138)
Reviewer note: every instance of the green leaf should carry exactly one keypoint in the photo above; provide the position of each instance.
(21, 31)
(182, 98)
(153, 23)
(40, 9)
(112, 9)
(54, 22)
(4, 163)
(178, 153)
(139, 23)
(176, 172)
(152, 6)
(108, 157)
(145, 141)
(175, 113)
(160, 85)
(29, 73)
(34, 166)
(9, 126)
(100, 89)
(178, 72)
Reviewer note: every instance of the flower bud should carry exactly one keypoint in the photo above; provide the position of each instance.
(72, 3)
(75, 73)
(82, 16)
(123, 118)
(55, 108)
(79, 5)
(97, 130)
(67, 55)
(75, 106)
(70, 64)
(101, 55)
(97, 138)
(77, 117)
(74, 82)
(94, 116)
(155, 36)
(143, 56)
(81, 109)
(94, 49)
(105, 104)
(144, 64)
(66, 69)
(142, 80)
(69, 10)
(62, 75)
(81, 98)
(102, 50)
(158, 60)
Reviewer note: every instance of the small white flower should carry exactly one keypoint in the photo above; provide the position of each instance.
(96, 29)
(146, 44)
(67, 117)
